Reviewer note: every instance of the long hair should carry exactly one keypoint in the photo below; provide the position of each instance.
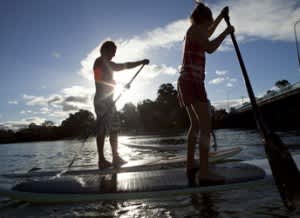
(200, 14)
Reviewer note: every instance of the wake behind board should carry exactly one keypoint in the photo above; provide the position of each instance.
(130, 185)
(136, 166)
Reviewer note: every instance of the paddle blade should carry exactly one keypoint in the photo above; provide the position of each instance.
(284, 170)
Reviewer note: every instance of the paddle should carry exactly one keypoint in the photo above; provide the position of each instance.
(127, 86)
(284, 169)
(296, 38)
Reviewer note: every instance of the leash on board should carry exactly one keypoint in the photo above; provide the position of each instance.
(284, 169)
(126, 87)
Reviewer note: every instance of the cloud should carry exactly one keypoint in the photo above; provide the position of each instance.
(56, 54)
(79, 99)
(54, 99)
(139, 47)
(265, 19)
(25, 112)
(227, 104)
(221, 79)
(68, 100)
(259, 19)
(70, 107)
(34, 100)
(77, 91)
(59, 114)
(44, 110)
(221, 72)
(13, 102)
(229, 85)
(23, 123)
(216, 81)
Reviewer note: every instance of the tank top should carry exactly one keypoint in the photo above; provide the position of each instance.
(193, 63)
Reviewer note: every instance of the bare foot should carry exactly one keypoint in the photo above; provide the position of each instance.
(104, 164)
(119, 162)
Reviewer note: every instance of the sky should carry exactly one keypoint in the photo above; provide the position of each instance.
(48, 48)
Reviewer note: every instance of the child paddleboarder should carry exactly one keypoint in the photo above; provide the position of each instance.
(191, 89)
(107, 117)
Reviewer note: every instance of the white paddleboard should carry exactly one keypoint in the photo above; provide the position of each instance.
(155, 147)
(135, 166)
(132, 185)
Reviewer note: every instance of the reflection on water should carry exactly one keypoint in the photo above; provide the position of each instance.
(205, 205)
(262, 201)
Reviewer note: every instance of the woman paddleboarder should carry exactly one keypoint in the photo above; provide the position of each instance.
(191, 89)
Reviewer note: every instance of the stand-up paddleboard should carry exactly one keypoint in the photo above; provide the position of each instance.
(132, 185)
(155, 147)
(138, 185)
(163, 148)
(135, 166)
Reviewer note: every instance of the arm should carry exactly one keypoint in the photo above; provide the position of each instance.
(211, 46)
(217, 21)
(213, 27)
(127, 65)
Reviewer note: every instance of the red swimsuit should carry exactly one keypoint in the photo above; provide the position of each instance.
(191, 81)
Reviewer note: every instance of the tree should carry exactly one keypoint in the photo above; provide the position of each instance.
(48, 123)
(166, 94)
(32, 126)
(282, 84)
(148, 114)
(167, 106)
(78, 124)
(129, 116)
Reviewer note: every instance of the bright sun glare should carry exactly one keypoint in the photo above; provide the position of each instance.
(122, 78)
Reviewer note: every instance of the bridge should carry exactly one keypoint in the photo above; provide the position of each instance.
(272, 97)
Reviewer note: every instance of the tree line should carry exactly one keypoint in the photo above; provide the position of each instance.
(161, 114)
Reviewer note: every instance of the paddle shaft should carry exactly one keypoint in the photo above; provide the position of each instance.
(296, 39)
(257, 115)
(129, 83)
(284, 169)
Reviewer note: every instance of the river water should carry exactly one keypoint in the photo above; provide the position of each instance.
(255, 202)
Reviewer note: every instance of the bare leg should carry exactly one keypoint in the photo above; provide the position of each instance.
(113, 139)
(191, 137)
(102, 163)
(117, 160)
(214, 139)
(191, 169)
(204, 142)
(202, 109)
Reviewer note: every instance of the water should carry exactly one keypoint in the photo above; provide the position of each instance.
(263, 201)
